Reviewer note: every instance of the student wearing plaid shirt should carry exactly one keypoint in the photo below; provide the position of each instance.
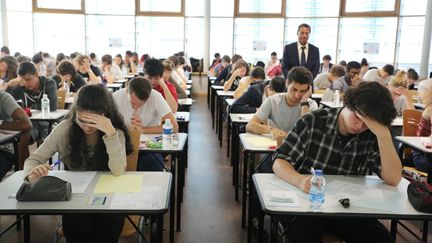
(342, 141)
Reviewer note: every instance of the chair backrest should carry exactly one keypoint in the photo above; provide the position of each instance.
(413, 94)
(132, 159)
(411, 119)
(61, 97)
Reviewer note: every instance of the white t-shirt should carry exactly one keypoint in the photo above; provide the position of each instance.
(150, 113)
(423, 87)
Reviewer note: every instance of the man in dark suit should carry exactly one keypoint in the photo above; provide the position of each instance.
(301, 53)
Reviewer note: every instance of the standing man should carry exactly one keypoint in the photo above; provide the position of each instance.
(301, 53)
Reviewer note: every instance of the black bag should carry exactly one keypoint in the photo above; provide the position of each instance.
(47, 188)
(420, 196)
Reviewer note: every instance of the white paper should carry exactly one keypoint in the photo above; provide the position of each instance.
(80, 180)
(148, 198)
(281, 199)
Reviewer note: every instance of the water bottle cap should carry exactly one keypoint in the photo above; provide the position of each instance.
(45, 96)
(318, 172)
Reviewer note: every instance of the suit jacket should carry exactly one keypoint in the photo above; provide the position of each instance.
(291, 59)
(250, 100)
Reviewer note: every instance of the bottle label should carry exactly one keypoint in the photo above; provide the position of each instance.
(167, 131)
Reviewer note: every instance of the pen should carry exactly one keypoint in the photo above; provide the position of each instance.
(54, 164)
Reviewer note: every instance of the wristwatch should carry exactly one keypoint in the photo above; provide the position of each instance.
(304, 103)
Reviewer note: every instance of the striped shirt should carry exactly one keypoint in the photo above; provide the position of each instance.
(316, 142)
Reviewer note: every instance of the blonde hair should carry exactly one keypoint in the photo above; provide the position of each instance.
(79, 60)
(168, 65)
(239, 64)
(400, 79)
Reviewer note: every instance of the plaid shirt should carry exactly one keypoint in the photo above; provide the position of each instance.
(316, 142)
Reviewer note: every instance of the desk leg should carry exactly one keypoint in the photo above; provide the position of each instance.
(250, 199)
(260, 223)
(245, 164)
(179, 191)
(212, 106)
(216, 113)
(27, 228)
(220, 120)
(172, 209)
(393, 229)
(156, 235)
(425, 230)
(208, 92)
(228, 134)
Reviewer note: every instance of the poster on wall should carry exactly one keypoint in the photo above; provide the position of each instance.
(371, 48)
(259, 45)
(115, 42)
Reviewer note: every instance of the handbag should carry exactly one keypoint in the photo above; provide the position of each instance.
(420, 195)
(47, 188)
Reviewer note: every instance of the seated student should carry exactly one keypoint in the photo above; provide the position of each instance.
(133, 63)
(283, 110)
(167, 76)
(31, 94)
(423, 88)
(326, 65)
(342, 141)
(398, 87)
(272, 63)
(90, 73)
(215, 61)
(154, 71)
(39, 64)
(226, 60)
(238, 71)
(250, 101)
(412, 77)
(364, 67)
(13, 117)
(92, 138)
(275, 71)
(111, 72)
(8, 72)
(324, 80)
(379, 75)
(118, 61)
(351, 78)
(255, 76)
(66, 72)
(144, 109)
(176, 74)
(224, 75)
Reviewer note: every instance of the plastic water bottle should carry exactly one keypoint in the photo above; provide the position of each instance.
(336, 97)
(66, 88)
(317, 191)
(167, 135)
(45, 104)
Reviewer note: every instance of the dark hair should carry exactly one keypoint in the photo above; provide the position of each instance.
(17, 54)
(153, 67)
(304, 25)
(175, 60)
(216, 55)
(353, 65)
(67, 67)
(74, 55)
(26, 68)
(327, 57)
(226, 59)
(5, 49)
(273, 54)
(104, 104)
(181, 60)
(60, 57)
(343, 63)
(12, 66)
(277, 84)
(364, 62)
(412, 74)
(300, 75)
(373, 100)
(338, 70)
(389, 69)
(22, 58)
(141, 87)
(235, 58)
(107, 58)
(258, 73)
(37, 58)
(128, 53)
(92, 55)
(121, 58)
(260, 64)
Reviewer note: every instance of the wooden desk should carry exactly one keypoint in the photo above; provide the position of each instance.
(185, 104)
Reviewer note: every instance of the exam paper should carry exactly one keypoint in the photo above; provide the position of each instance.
(123, 183)
(261, 142)
(148, 198)
(281, 199)
(79, 180)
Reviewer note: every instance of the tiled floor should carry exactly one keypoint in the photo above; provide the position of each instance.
(209, 212)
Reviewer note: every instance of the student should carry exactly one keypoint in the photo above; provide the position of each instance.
(398, 87)
(40, 65)
(154, 71)
(4, 50)
(422, 161)
(31, 93)
(250, 101)
(13, 117)
(379, 75)
(412, 77)
(351, 78)
(342, 141)
(144, 109)
(324, 80)
(225, 73)
(215, 61)
(238, 71)
(118, 61)
(92, 138)
(111, 72)
(283, 110)
(176, 74)
(67, 73)
(272, 63)
(167, 76)
(326, 65)
(8, 72)
(226, 60)
(256, 75)
(364, 67)
(90, 73)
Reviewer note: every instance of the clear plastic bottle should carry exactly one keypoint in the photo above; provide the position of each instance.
(66, 88)
(317, 191)
(45, 105)
(167, 135)
(336, 97)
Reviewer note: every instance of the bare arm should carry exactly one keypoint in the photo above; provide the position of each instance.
(257, 126)
(20, 122)
(228, 84)
(168, 96)
(286, 171)
(242, 87)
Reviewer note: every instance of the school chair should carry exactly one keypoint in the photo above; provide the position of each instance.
(413, 95)
(61, 97)
(410, 119)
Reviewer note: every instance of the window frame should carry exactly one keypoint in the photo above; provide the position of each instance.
(238, 14)
(138, 12)
(394, 13)
(37, 9)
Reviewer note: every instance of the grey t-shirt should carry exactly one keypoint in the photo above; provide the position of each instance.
(400, 104)
(340, 84)
(7, 107)
(279, 114)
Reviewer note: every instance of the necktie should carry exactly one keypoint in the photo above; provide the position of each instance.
(303, 56)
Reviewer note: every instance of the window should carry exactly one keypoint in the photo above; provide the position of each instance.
(63, 6)
(156, 7)
(312, 8)
(110, 34)
(372, 38)
(114, 7)
(194, 37)
(413, 7)
(255, 39)
(370, 7)
(19, 5)
(221, 36)
(323, 33)
(21, 39)
(410, 42)
(195, 8)
(259, 8)
(160, 37)
(222, 8)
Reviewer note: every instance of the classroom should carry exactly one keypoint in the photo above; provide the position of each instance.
(215, 121)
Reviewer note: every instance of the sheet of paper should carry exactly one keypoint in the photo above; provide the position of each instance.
(80, 180)
(261, 142)
(123, 183)
(148, 198)
(281, 199)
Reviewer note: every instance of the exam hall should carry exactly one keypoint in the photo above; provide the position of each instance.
(205, 121)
